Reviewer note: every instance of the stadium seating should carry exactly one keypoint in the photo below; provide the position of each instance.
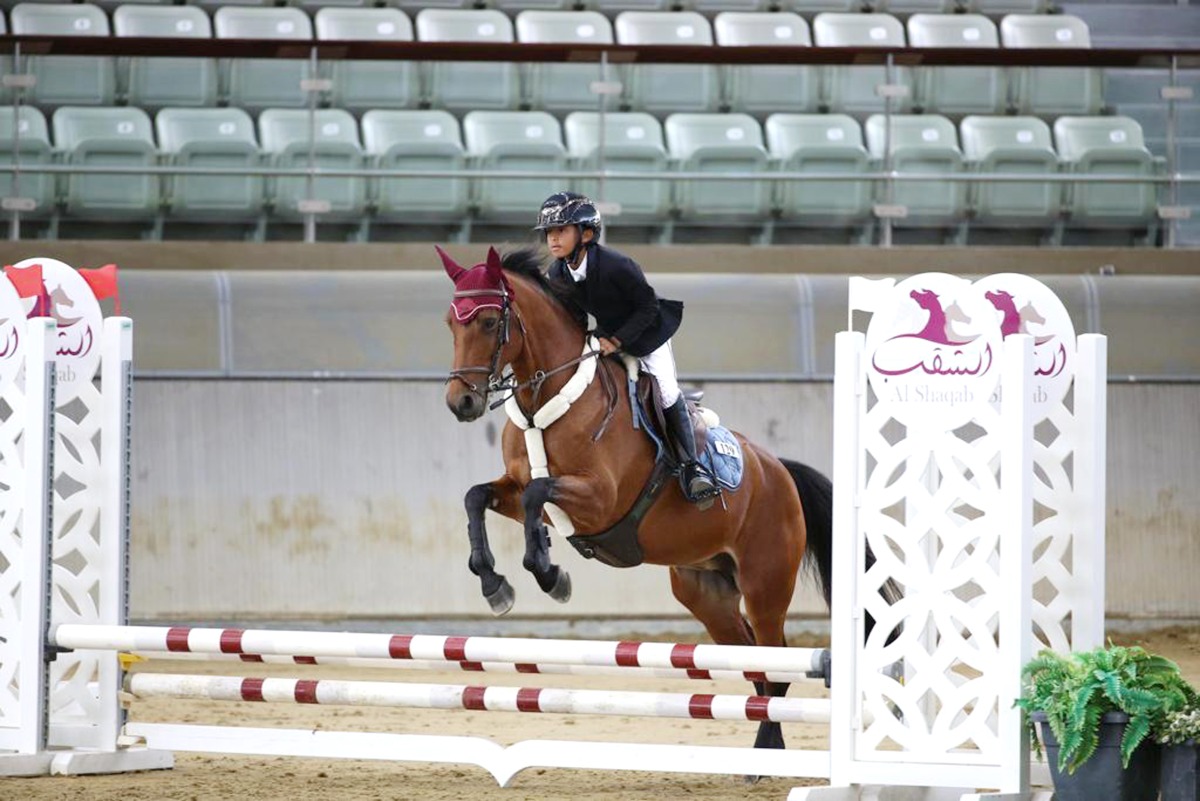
(513, 140)
(111, 137)
(1113, 146)
(211, 137)
(767, 88)
(416, 140)
(719, 143)
(633, 142)
(284, 134)
(1052, 90)
(564, 87)
(28, 141)
(921, 143)
(66, 80)
(468, 85)
(665, 88)
(958, 90)
(821, 143)
(157, 82)
(362, 85)
(1014, 146)
(257, 83)
(851, 88)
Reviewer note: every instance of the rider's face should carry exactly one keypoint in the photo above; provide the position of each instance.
(562, 240)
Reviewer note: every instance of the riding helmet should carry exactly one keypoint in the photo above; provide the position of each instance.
(568, 208)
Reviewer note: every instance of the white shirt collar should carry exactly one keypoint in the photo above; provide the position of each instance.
(579, 273)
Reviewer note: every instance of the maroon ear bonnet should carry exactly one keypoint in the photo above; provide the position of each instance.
(486, 279)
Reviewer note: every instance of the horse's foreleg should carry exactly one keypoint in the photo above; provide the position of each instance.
(553, 580)
(481, 497)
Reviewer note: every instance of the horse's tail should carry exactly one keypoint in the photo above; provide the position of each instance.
(816, 498)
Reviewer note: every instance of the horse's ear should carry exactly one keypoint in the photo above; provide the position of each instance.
(494, 268)
(451, 266)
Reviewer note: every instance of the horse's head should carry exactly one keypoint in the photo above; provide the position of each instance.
(479, 318)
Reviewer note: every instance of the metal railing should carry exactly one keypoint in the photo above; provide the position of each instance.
(1171, 178)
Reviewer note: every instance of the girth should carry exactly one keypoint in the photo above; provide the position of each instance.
(618, 546)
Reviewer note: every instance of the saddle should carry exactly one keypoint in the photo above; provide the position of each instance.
(619, 546)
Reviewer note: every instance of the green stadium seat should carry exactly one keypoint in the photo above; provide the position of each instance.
(284, 134)
(921, 143)
(257, 83)
(1111, 146)
(564, 87)
(766, 88)
(360, 85)
(157, 82)
(468, 85)
(852, 89)
(111, 137)
(633, 142)
(719, 143)
(1049, 91)
(513, 140)
(66, 80)
(28, 142)
(1014, 146)
(416, 140)
(664, 88)
(820, 143)
(210, 138)
(958, 90)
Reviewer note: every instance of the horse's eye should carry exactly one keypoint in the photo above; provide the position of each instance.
(489, 323)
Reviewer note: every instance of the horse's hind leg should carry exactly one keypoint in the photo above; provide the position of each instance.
(714, 597)
(496, 496)
(553, 580)
(767, 578)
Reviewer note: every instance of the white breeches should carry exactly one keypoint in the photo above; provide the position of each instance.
(660, 363)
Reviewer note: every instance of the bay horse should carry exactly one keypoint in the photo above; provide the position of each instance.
(751, 547)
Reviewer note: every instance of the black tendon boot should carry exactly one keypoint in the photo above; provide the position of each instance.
(695, 481)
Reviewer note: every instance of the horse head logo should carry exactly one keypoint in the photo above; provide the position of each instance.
(939, 326)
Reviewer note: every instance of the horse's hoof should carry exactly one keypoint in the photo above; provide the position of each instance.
(561, 591)
(502, 599)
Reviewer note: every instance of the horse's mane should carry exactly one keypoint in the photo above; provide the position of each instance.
(529, 263)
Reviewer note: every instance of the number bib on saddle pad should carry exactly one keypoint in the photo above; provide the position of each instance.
(722, 456)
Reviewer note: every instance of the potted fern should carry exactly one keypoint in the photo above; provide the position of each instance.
(1096, 710)
(1179, 737)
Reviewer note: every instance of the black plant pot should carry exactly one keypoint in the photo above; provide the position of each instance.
(1102, 776)
(1179, 764)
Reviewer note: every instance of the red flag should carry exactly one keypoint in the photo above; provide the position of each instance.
(28, 283)
(103, 281)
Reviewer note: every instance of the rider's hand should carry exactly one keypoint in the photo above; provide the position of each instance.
(609, 345)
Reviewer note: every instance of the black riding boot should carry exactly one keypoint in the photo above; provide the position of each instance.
(698, 487)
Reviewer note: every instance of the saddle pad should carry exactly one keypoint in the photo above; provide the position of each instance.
(723, 457)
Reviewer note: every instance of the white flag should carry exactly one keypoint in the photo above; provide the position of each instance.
(867, 295)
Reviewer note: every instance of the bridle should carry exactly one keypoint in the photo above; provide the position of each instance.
(494, 382)
(509, 384)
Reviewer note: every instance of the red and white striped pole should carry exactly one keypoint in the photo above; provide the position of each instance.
(481, 667)
(755, 659)
(508, 699)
